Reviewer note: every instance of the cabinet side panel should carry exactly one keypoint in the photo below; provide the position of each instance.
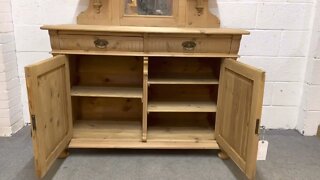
(235, 44)
(54, 40)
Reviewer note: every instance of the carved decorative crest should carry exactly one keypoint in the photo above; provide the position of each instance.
(97, 6)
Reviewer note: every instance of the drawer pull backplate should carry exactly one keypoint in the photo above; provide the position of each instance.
(189, 45)
(101, 43)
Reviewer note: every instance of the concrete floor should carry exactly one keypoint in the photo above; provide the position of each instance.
(291, 156)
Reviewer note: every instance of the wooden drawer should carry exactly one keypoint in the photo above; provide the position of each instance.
(212, 44)
(101, 43)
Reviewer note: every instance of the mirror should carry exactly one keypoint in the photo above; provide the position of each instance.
(148, 7)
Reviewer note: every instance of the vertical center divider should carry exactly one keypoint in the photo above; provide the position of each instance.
(145, 99)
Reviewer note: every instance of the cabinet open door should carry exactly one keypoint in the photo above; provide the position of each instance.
(50, 110)
(239, 110)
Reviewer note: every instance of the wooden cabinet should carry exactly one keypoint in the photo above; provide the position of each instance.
(145, 88)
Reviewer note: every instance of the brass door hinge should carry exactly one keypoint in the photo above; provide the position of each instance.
(257, 126)
(33, 122)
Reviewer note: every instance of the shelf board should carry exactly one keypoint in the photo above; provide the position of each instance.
(190, 106)
(183, 80)
(195, 133)
(114, 130)
(127, 134)
(123, 92)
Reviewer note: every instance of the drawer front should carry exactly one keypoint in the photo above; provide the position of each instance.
(101, 43)
(219, 44)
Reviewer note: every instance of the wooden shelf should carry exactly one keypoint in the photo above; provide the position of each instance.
(113, 130)
(181, 134)
(123, 92)
(170, 128)
(127, 134)
(191, 106)
(183, 80)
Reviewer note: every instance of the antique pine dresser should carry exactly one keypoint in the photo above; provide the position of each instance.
(145, 74)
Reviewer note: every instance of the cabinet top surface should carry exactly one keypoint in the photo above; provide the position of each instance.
(137, 29)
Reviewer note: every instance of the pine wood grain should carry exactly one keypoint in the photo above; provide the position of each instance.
(144, 87)
(101, 108)
(102, 143)
(183, 133)
(205, 44)
(122, 92)
(238, 116)
(114, 43)
(50, 104)
(180, 79)
(144, 54)
(145, 99)
(117, 130)
(142, 29)
(191, 106)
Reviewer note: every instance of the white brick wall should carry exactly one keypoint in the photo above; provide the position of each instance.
(309, 118)
(32, 44)
(279, 43)
(11, 119)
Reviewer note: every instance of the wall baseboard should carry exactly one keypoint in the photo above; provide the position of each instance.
(17, 126)
(5, 131)
(9, 131)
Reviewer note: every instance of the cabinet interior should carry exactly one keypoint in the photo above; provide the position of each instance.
(107, 98)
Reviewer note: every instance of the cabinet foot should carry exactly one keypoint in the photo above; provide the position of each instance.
(222, 155)
(64, 154)
(144, 138)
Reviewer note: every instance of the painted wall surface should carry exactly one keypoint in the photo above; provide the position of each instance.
(11, 119)
(280, 43)
(285, 42)
(309, 115)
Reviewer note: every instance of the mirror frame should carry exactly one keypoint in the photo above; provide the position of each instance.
(153, 20)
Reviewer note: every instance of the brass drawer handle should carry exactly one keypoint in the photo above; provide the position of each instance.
(189, 45)
(101, 43)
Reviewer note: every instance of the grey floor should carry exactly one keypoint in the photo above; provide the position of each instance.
(291, 156)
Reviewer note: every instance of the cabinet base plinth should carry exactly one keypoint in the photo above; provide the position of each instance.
(150, 144)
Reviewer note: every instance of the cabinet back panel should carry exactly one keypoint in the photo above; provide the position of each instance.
(181, 119)
(183, 92)
(196, 67)
(188, 127)
(109, 108)
(109, 71)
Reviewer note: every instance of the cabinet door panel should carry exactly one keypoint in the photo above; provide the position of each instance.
(50, 109)
(239, 111)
